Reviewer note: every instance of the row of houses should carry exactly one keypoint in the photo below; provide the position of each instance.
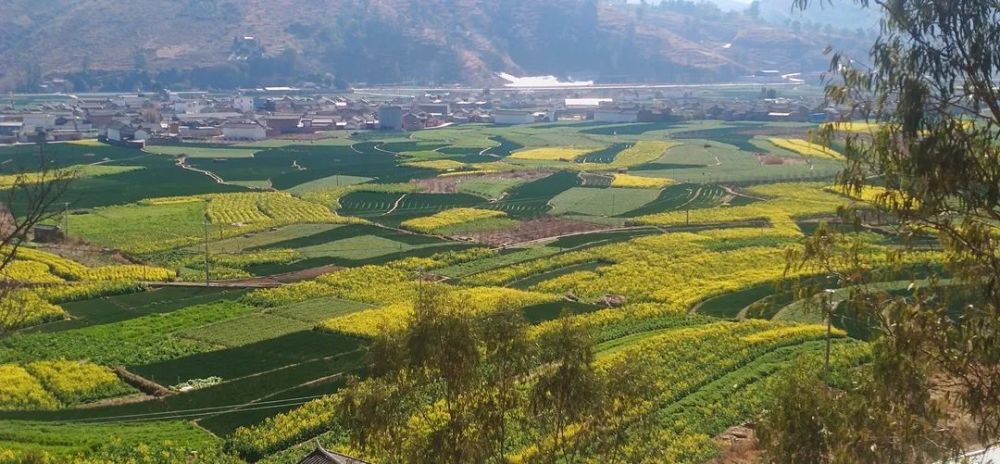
(168, 117)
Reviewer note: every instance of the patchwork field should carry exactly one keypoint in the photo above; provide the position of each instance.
(665, 242)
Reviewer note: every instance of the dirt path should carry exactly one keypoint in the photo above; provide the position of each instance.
(182, 163)
(734, 193)
(385, 151)
(395, 206)
(694, 197)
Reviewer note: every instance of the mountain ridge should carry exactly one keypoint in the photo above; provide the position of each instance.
(397, 41)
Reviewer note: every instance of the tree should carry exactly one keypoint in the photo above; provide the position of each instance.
(932, 94)
(471, 366)
(567, 390)
(35, 186)
(450, 388)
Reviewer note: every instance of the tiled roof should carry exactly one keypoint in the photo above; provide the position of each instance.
(322, 456)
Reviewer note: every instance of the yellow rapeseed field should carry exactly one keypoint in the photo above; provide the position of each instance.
(450, 217)
(551, 153)
(630, 181)
(805, 148)
(437, 165)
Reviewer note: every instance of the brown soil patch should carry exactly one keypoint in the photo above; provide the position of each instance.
(118, 401)
(536, 229)
(86, 254)
(739, 446)
(768, 159)
(449, 184)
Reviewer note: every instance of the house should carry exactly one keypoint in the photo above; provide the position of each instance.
(440, 108)
(285, 124)
(322, 456)
(509, 117)
(243, 104)
(412, 122)
(243, 130)
(121, 132)
(100, 118)
(199, 132)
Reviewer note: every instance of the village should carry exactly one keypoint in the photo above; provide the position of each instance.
(164, 118)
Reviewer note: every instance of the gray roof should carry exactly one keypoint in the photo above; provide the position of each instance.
(322, 456)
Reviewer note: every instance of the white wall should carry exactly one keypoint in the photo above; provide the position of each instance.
(239, 133)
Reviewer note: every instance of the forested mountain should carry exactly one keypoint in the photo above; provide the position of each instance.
(194, 42)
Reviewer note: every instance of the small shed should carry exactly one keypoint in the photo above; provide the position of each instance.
(44, 233)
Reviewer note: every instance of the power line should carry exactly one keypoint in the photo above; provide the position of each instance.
(210, 410)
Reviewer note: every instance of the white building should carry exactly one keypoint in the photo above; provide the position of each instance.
(130, 101)
(243, 131)
(124, 132)
(243, 104)
(187, 107)
(577, 103)
(615, 115)
(509, 117)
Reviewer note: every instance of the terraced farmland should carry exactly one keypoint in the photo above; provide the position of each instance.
(348, 236)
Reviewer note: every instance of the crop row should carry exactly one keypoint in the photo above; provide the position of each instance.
(683, 360)
(678, 269)
(688, 425)
(264, 207)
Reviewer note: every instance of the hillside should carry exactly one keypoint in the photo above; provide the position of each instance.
(392, 41)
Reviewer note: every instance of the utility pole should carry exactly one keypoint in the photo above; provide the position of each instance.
(612, 203)
(829, 305)
(66, 219)
(207, 279)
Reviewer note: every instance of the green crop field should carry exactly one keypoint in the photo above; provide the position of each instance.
(532, 199)
(489, 189)
(394, 207)
(601, 201)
